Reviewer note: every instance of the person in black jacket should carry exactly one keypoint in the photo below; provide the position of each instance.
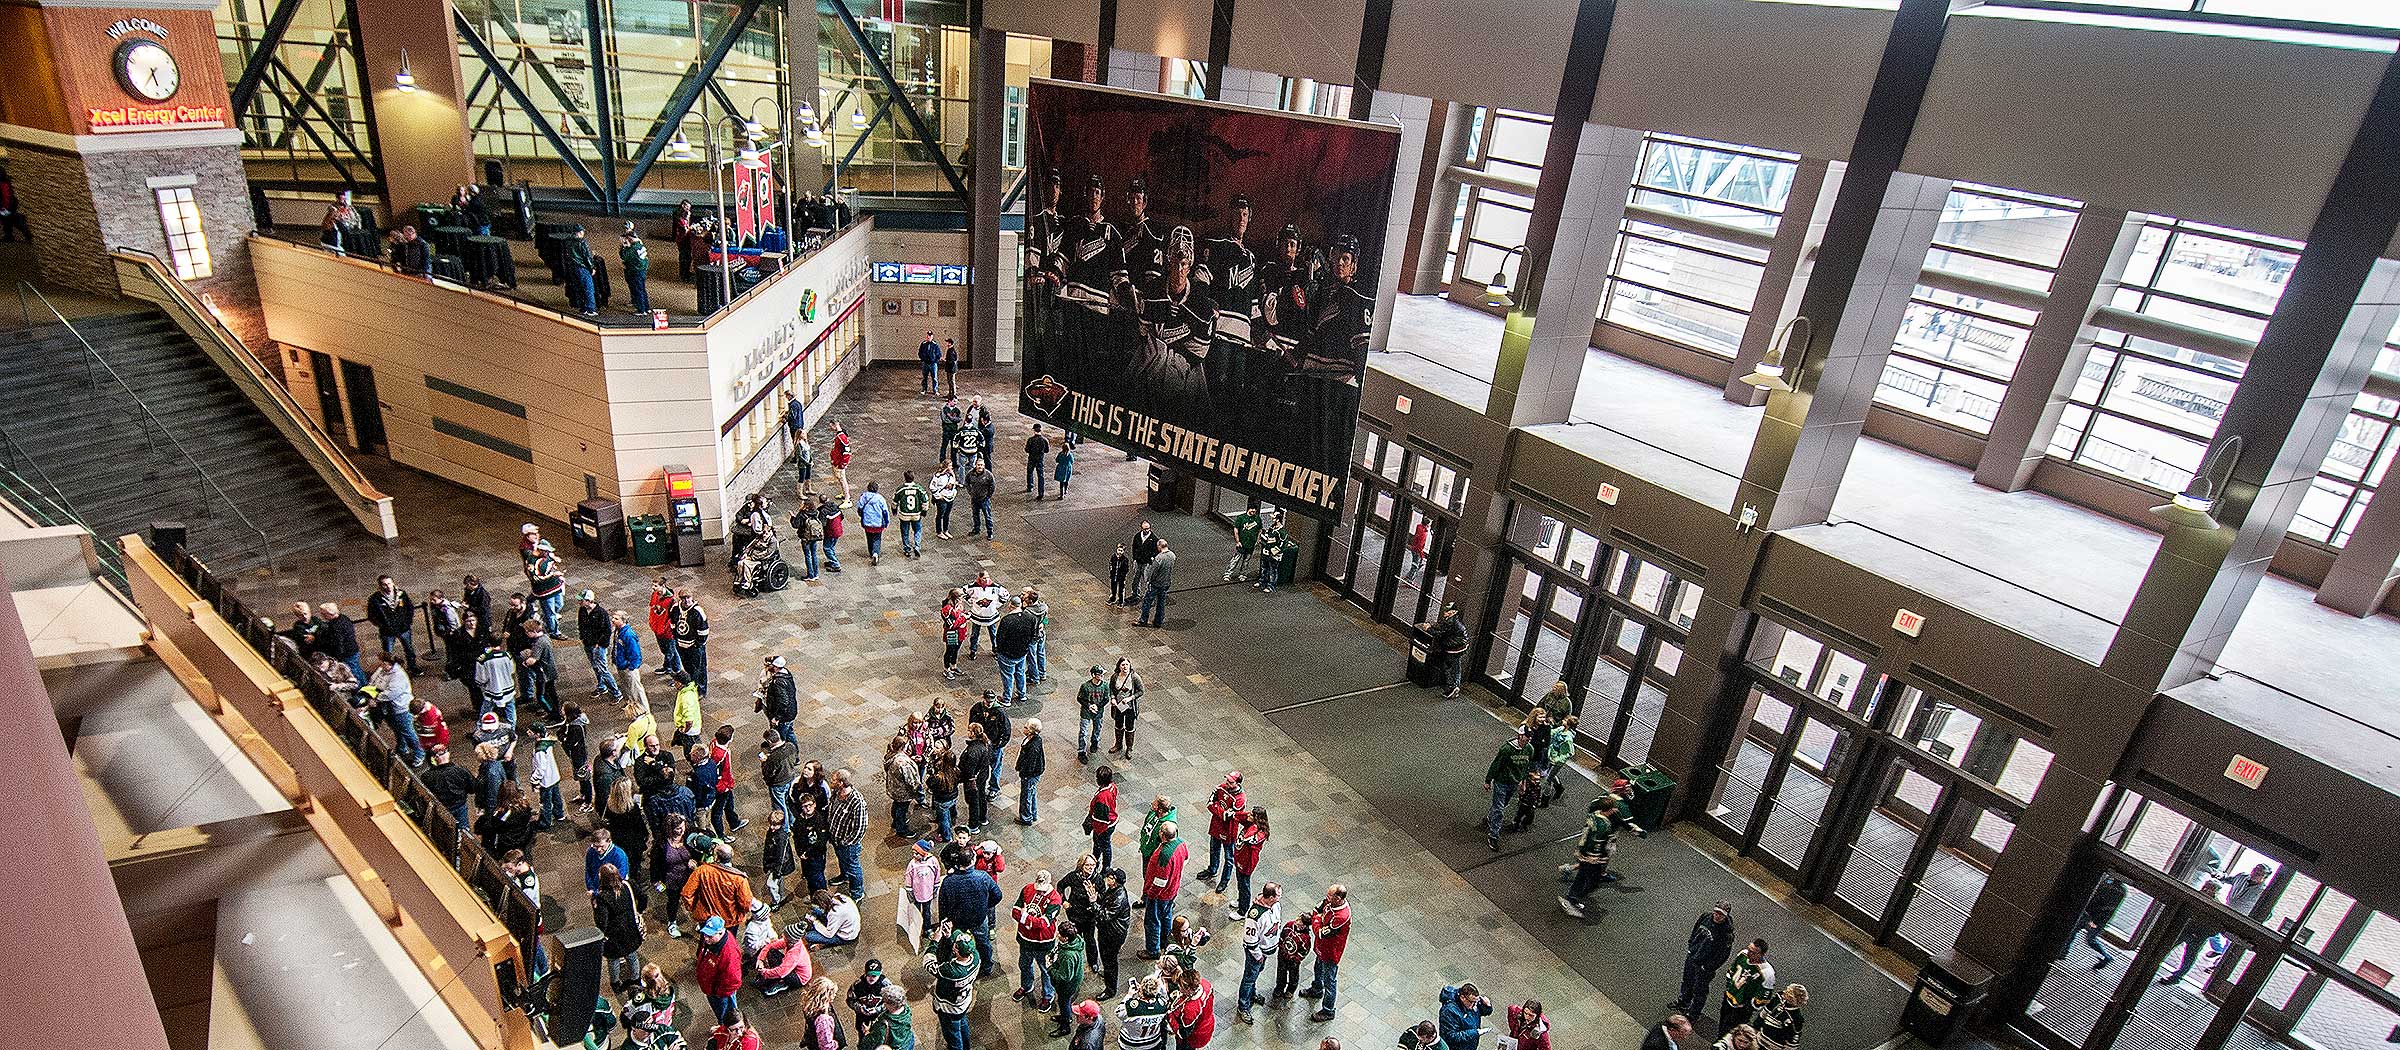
(779, 698)
(1709, 945)
(1450, 647)
(509, 825)
(393, 613)
(1012, 643)
(1116, 920)
(1037, 451)
(1145, 546)
(992, 715)
(450, 785)
(975, 762)
(1674, 1033)
(338, 637)
(619, 918)
(411, 255)
(1030, 764)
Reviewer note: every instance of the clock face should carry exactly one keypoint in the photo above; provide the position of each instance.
(147, 70)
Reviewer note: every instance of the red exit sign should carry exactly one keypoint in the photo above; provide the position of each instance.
(2246, 771)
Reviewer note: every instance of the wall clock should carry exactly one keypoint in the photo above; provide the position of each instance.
(146, 69)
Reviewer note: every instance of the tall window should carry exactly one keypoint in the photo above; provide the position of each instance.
(1508, 144)
(1957, 349)
(187, 244)
(2372, 15)
(1694, 240)
(2144, 408)
(2354, 467)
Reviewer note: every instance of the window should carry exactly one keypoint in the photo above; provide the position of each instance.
(1956, 352)
(1681, 282)
(2144, 409)
(2354, 466)
(2373, 16)
(1492, 222)
(187, 244)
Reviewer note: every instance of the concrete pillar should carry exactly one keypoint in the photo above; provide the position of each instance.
(1070, 60)
(1789, 261)
(986, 107)
(2089, 270)
(800, 51)
(1412, 114)
(422, 135)
(1876, 236)
(1436, 199)
(1808, 433)
(1549, 331)
(2363, 573)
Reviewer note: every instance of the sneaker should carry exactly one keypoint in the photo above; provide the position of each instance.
(1570, 907)
(1234, 914)
(674, 930)
(1239, 1015)
(1321, 1016)
(1492, 841)
(1310, 993)
(739, 825)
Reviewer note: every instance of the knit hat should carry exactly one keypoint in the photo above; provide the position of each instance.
(988, 846)
(543, 545)
(1097, 669)
(778, 662)
(925, 847)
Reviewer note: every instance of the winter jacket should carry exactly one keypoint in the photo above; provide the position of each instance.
(1462, 1026)
(1195, 1018)
(1710, 944)
(1162, 870)
(968, 897)
(1530, 1031)
(1030, 759)
(1249, 838)
(720, 967)
(954, 967)
(619, 919)
(716, 890)
(1015, 634)
(873, 512)
(390, 613)
(625, 650)
(1225, 806)
(591, 625)
(1330, 927)
(979, 484)
(782, 700)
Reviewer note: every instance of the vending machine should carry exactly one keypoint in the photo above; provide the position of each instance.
(683, 514)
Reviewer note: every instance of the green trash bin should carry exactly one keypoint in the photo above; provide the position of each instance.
(649, 539)
(1650, 789)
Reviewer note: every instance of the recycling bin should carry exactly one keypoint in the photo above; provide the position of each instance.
(650, 539)
(1648, 791)
(1950, 990)
(1421, 670)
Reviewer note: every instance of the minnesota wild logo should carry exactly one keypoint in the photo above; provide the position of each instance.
(1046, 393)
(808, 305)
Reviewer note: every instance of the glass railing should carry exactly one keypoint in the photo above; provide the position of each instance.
(27, 488)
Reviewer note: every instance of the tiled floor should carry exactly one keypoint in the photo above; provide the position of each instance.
(862, 644)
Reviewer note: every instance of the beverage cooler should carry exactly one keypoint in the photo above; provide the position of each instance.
(683, 514)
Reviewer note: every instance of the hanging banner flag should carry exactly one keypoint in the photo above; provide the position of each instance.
(762, 192)
(745, 220)
(895, 10)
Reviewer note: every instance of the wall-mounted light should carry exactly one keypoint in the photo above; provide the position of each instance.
(753, 128)
(680, 147)
(808, 113)
(2196, 506)
(858, 119)
(1783, 358)
(1496, 292)
(404, 80)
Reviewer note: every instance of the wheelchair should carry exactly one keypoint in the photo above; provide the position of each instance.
(760, 568)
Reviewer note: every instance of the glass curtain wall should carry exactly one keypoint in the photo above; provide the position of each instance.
(931, 61)
(1885, 799)
(1508, 144)
(308, 131)
(2354, 467)
(2145, 409)
(1957, 349)
(2205, 939)
(1693, 242)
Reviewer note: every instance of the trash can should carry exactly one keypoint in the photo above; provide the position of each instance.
(1421, 670)
(599, 526)
(1648, 790)
(649, 539)
(1950, 988)
(1170, 491)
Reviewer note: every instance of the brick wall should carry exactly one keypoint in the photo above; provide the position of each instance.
(66, 228)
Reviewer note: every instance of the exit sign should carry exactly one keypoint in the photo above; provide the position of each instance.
(2246, 771)
(1608, 494)
(1402, 404)
(1908, 623)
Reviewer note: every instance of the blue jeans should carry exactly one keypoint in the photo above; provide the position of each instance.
(1323, 983)
(874, 543)
(1157, 918)
(975, 633)
(991, 783)
(782, 796)
(1033, 972)
(912, 534)
(458, 813)
(603, 679)
(1038, 665)
(1270, 568)
(812, 866)
(637, 286)
(404, 730)
(941, 515)
(848, 856)
(408, 645)
(808, 559)
(833, 556)
(899, 816)
(1026, 803)
(1087, 735)
(579, 288)
(1104, 849)
(954, 1031)
(983, 950)
(1012, 678)
(1217, 851)
(1036, 481)
(1501, 794)
(721, 1005)
(550, 607)
(1154, 608)
(1251, 966)
(820, 940)
(721, 814)
(554, 806)
(945, 814)
(983, 519)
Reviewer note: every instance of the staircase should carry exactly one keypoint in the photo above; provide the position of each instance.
(203, 454)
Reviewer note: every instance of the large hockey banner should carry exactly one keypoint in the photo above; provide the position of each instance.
(1200, 283)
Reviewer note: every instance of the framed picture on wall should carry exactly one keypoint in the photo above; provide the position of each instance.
(949, 308)
(919, 307)
(891, 308)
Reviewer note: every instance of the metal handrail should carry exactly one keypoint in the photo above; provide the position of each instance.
(40, 487)
(265, 545)
(255, 371)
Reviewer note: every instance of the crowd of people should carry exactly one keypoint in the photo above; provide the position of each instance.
(767, 901)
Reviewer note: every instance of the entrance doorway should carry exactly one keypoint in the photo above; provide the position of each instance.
(366, 413)
(1391, 552)
(329, 396)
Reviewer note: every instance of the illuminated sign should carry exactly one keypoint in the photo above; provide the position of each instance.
(1908, 623)
(808, 305)
(2246, 771)
(920, 273)
(105, 119)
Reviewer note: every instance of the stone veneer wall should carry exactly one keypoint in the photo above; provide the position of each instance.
(66, 228)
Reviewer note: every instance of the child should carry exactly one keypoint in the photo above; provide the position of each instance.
(939, 726)
(758, 930)
(923, 876)
(1066, 468)
(778, 859)
(1120, 566)
(1292, 953)
(784, 965)
(545, 777)
(954, 632)
(989, 860)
